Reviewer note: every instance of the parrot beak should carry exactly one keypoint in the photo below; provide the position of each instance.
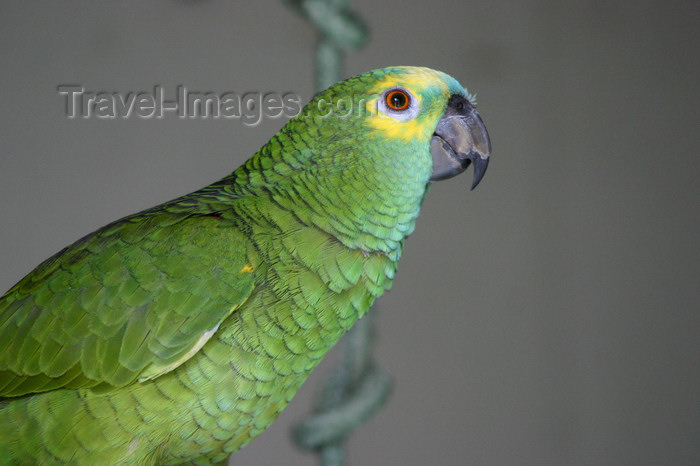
(458, 140)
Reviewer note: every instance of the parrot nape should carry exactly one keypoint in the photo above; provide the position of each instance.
(179, 333)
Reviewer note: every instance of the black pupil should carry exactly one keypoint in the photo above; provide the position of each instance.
(398, 99)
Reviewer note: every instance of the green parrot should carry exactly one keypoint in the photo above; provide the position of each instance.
(179, 333)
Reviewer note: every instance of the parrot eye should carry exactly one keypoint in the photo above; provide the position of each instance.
(398, 100)
(398, 103)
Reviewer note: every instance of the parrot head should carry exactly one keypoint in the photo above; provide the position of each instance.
(418, 116)
(359, 158)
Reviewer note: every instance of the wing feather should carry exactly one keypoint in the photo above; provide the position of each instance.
(135, 299)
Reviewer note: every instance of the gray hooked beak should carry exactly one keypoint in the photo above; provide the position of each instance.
(459, 140)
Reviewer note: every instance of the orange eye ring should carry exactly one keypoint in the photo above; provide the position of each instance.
(398, 100)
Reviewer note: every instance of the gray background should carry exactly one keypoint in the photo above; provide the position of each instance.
(548, 317)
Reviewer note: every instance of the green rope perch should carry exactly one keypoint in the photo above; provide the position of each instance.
(339, 30)
(357, 388)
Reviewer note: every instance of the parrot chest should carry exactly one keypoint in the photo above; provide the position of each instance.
(254, 364)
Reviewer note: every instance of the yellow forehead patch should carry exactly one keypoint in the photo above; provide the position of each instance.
(416, 81)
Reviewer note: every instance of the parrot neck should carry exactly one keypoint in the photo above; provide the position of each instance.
(366, 191)
(371, 205)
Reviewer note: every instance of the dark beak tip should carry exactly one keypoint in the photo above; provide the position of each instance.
(480, 164)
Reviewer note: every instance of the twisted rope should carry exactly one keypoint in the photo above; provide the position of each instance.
(339, 29)
(357, 388)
